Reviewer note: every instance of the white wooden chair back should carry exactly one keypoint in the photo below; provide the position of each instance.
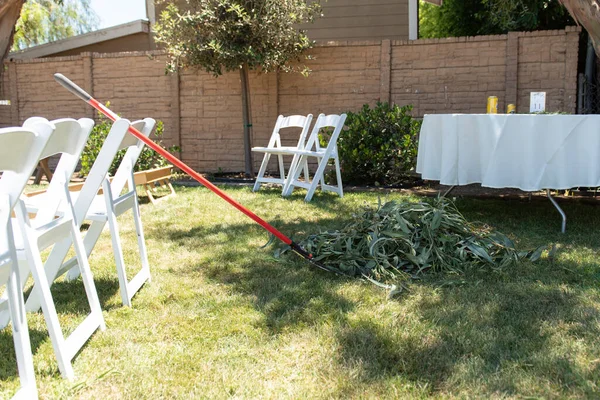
(323, 155)
(275, 147)
(20, 150)
(291, 121)
(68, 140)
(134, 149)
(326, 121)
(112, 144)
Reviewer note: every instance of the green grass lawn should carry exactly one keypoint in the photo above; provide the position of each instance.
(222, 318)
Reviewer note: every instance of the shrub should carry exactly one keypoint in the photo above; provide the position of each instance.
(148, 158)
(379, 144)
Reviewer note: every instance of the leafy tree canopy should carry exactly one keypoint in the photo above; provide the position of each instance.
(222, 35)
(490, 17)
(45, 21)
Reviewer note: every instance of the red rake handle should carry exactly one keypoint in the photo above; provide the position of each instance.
(82, 94)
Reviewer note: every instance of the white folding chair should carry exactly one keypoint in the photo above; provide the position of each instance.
(274, 147)
(323, 155)
(114, 202)
(105, 207)
(45, 231)
(19, 152)
(47, 205)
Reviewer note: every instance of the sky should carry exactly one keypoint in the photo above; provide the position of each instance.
(115, 12)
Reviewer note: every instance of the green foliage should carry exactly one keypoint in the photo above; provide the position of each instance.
(490, 17)
(379, 144)
(43, 21)
(148, 159)
(222, 35)
(396, 240)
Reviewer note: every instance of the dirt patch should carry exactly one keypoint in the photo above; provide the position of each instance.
(419, 187)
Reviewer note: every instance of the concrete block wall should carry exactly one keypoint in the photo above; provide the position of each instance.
(202, 113)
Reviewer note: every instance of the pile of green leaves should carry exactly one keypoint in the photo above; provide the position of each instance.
(400, 240)
(148, 159)
(379, 144)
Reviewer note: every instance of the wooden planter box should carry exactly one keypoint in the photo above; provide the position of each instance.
(150, 178)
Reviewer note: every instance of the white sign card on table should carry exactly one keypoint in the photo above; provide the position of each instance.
(538, 102)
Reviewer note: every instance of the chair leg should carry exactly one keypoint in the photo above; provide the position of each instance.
(261, 172)
(322, 180)
(5, 316)
(53, 262)
(21, 338)
(281, 168)
(119, 260)
(89, 241)
(87, 277)
(338, 175)
(55, 266)
(306, 172)
(141, 244)
(49, 310)
(317, 177)
(293, 175)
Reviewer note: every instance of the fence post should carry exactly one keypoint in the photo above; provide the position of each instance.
(512, 69)
(176, 109)
(570, 88)
(88, 79)
(13, 85)
(385, 93)
(581, 94)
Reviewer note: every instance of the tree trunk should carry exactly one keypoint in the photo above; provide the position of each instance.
(248, 165)
(10, 10)
(586, 13)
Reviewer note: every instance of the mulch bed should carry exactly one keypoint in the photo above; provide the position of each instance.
(419, 187)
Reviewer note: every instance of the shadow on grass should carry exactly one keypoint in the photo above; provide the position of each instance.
(288, 291)
(69, 298)
(473, 335)
(8, 366)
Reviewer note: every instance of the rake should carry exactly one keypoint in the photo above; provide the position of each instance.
(83, 95)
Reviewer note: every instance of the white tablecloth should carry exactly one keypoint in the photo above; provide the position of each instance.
(528, 152)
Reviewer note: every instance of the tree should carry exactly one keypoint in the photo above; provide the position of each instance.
(490, 17)
(49, 19)
(45, 21)
(236, 35)
(9, 14)
(586, 13)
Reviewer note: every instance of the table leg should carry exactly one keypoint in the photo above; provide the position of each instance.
(448, 191)
(562, 213)
(43, 169)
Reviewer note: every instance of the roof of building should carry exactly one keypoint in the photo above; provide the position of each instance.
(102, 35)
